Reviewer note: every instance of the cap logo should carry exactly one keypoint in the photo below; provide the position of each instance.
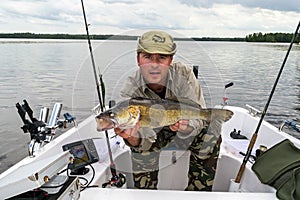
(157, 38)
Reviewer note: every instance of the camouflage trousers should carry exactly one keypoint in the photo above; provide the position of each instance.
(204, 148)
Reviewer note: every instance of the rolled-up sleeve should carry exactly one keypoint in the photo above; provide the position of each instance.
(147, 138)
(187, 86)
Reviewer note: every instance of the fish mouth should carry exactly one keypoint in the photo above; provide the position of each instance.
(104, 124)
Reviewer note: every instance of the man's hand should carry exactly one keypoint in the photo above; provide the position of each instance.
(130, 134)
(181, 126)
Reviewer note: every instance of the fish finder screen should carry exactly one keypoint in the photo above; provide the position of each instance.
(84, 153)
(80, 155)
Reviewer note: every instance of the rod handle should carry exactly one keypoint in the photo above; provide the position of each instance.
(246, 158)
(240, 173)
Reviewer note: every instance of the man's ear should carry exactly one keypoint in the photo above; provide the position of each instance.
(138, 59)
(171, 59)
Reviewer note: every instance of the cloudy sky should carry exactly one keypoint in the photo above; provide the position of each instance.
(195, 18)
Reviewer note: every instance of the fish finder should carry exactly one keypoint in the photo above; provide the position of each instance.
(84, 153)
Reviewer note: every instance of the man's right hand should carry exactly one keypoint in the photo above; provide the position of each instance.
(130, 134)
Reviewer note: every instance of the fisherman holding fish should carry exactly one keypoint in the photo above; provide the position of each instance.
(166, 108)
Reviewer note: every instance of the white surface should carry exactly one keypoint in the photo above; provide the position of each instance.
(55, 184)
(124, 194)
(31, 175)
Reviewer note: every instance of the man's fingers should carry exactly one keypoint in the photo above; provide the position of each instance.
(126, 133)
(183, 122)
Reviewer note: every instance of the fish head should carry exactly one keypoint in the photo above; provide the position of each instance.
(117, 118)
(106, 120)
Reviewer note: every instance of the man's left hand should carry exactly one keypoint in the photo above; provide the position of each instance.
(181, 126)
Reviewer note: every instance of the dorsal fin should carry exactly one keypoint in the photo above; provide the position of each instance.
(184, 100)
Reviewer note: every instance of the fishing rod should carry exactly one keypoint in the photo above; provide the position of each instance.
(254, 136)
(116, 180)
(101, 99)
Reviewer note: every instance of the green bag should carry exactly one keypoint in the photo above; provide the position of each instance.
(279, 167)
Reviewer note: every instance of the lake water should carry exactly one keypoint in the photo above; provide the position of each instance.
(47, 71)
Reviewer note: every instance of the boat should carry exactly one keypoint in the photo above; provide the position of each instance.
(83, 163)
(44, 172)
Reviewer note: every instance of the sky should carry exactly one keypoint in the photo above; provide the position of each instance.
(189, 18)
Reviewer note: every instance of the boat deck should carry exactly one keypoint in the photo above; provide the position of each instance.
(132, 194)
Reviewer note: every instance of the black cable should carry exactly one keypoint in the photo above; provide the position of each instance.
(80, 177)
(93, 176)
(58, 173)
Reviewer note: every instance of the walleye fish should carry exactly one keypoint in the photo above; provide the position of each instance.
(154, 113)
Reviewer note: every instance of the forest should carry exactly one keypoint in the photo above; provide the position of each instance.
(101, 37)
(254, 37)
(271, 37)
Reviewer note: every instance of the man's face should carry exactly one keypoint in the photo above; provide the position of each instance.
(154, 67)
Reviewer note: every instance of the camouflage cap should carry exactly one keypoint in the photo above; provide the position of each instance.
(156, 42)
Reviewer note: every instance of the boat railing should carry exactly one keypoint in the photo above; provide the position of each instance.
(253, 111)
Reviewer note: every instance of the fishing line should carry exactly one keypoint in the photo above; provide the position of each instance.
(115, 180)
(254, 136)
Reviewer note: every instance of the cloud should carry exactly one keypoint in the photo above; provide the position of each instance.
(120, 1)
(289, 5)
(280, 5)
(197, 18)
(38, 13)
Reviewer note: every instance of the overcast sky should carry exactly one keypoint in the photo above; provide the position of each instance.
(196, 18)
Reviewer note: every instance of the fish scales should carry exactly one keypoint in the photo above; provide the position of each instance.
(155, 113)
(158, 115)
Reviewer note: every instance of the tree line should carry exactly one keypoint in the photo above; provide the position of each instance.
(255, 37)
(272, 37)
(102, 37)
(65, 36)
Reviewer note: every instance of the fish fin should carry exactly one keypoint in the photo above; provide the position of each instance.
(143, 101)
(219, 114)
(173, 99)
(140, 98)
(184, 100)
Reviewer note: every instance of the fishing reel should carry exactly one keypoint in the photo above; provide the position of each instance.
(116, 181)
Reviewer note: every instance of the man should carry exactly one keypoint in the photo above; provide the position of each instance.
(159, 77)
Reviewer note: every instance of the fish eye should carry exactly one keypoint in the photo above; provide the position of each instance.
(112, 115)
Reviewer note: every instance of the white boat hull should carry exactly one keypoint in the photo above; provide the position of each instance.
(172, 177)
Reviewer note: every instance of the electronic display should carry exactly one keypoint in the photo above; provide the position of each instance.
(84, 153)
